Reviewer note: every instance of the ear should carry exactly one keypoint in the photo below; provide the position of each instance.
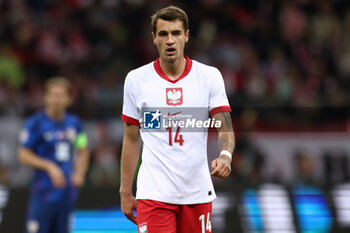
(154, 38)
(187, 35)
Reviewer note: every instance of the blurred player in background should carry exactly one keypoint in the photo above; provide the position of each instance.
(48, 142)
(174, 187)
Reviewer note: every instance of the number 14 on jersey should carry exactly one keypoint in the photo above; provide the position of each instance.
(178, 137)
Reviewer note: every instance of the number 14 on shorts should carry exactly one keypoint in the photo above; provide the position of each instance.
(206, 223)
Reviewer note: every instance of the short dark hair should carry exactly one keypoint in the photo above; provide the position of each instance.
(170, 13)
(58, 80)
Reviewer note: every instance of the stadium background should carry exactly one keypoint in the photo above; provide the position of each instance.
(286, 66)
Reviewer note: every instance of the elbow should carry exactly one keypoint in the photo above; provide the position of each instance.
(131, 139)
(85, 150)
(134, 142)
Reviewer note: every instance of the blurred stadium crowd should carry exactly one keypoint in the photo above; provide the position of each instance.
(272, 54)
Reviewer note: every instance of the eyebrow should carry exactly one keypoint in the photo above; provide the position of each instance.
(164, 31)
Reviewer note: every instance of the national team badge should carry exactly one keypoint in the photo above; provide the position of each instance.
(152, 120)
(174, 96)
(23, 136)
(143, 228)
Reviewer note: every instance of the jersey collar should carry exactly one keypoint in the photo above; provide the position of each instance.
(161, 73)
(54, 120)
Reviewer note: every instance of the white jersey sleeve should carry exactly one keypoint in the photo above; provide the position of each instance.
(218, 101)
(130, 114)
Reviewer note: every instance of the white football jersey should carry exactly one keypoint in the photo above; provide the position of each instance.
(174, 165)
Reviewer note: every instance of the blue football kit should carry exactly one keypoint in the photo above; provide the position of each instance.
(49, 207)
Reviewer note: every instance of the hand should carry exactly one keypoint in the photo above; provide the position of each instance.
(56, 175)
(78, 180)
(221, 166)
(128, 205)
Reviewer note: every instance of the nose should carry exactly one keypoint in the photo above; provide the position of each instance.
(170, 40)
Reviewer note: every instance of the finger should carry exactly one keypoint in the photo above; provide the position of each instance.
(62, 182)
(217, 169)
(225, 165)
(226, 172)
(58, 181)
(221, 174)
(221, 169)
(214, 164)
(221, 166)
(131, 217)
(58, 184)
(214, 173)
(134, 220)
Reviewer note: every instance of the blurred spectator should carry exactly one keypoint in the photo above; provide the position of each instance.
(105, 165)
(344, 50)
(11, 72)
(336, 166)
(247, 164)
(304, 168)
(3, 174)
(11, 80)
(292, 22)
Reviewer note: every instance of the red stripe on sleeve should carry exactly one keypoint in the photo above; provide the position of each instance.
(130, 120)
(219, 109)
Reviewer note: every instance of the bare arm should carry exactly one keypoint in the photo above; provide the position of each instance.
(129, 159)
(81, 166)
(28, 157)
(226, 140)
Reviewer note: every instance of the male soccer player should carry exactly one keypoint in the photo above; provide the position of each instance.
(174, 187)
(48, 141)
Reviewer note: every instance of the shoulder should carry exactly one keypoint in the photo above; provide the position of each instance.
(34, 119)
(136, 74)
(207, 70)
(72, 118)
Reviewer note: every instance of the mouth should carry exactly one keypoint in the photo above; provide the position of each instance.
(170, 51)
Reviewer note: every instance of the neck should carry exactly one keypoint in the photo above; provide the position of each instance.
(173, 69)
(54, 114)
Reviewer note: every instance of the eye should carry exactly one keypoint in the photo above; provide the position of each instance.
(176, 33)
(162, 33)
